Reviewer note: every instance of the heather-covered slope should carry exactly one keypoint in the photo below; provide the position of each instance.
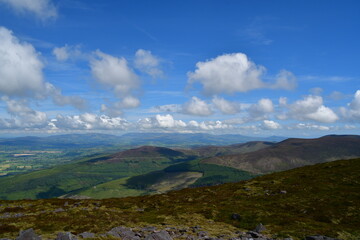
(318, 199)
(293, 153)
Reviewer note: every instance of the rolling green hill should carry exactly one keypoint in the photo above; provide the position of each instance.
(104, 176)
(319, 199)
(88, 172)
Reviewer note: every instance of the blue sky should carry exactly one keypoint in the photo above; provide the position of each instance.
(257, 68)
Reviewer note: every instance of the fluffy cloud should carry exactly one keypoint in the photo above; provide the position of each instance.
(225, 106)
(161, 121)
(61, 100)
(21, 73)
(261, 108)
(353, 110)
(270, 125)
(148, 63)
(88, 121)
(20, 67)
(43, 9)
(115, 109)
(115, 73)
(312, 108)
(175, 108)
(231, 73)
(197, 107)
(66, 52)
(228, 73)
(23, 115)
(285, 80)
(208, 125)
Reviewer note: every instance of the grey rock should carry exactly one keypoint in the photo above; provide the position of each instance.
(235, 216)
(283, 192)
(123, 233)
(148, 229)
(87, 235)
(319, 237)
(28, 234)
(59, 210)
(202, 234)
(259, 228)
(65, 236)
(253, 234)
(162, 235)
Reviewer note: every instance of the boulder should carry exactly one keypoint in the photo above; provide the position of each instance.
(65, 236)
(28, 234)
(319, 237)
(86, 235)
(259, 228)
(123, 233)
(162, 235)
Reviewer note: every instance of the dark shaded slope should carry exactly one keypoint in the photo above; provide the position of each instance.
(293, 153)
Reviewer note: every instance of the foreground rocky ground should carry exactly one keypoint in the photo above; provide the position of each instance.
(153, 233)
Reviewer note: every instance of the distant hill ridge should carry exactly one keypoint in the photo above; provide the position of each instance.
(292, 153)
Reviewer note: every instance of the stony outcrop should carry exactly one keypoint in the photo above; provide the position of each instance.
(168, 233)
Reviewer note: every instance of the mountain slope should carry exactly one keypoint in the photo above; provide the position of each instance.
(68, 178)
(208, 151)
(210, 174)
(319, 199)
(293, 153)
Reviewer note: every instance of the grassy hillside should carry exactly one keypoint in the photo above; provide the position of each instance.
(293, 153)
(211, 174)
(319, 199)
(86, 173)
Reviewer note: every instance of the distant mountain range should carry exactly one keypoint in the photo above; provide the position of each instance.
(71, 141)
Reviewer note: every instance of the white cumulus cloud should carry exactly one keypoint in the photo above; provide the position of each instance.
(67, 52)
(352, 112)
(228, 73)
(261, 108)
(231, 73)
(146, 62)
(21, 73)
(115, 73)
(197, 107)
(24, 116)
(270, 125)
(20, 67)
(43, 9)
(312, 108)
(285, 80)
(225, 106)
(161, 122)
